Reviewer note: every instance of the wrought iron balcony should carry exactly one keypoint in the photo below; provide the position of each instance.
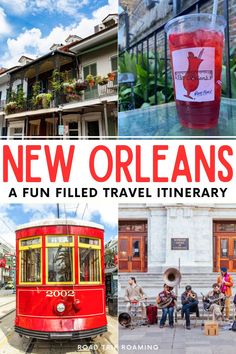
(96, 92)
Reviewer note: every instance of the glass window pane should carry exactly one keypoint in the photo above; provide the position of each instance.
(30, 265)
(224, 248)
(89, 241)
(30, 242)
(234, 248)
(60, 263)
(58, 239)
(123, 246)
(136, 249)
(114, 63)
(93, 69)
(89, 265)
(86, 71)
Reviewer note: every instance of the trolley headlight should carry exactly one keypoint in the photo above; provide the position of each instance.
(60, 307)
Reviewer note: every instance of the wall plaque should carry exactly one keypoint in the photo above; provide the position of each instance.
(179, 244)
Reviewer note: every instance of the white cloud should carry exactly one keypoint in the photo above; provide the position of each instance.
(31, 42)
(69, 7)
(7, 226)
(5, 28)
(108, 212)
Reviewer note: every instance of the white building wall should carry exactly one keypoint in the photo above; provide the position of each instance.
(102, 57)
(194, 222)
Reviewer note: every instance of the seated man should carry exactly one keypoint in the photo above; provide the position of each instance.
(215, 299)
(135, 294)
(166, 301)
(189, 301)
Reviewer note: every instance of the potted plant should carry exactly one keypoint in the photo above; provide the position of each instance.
(101, 80)
(80, 85)
(68, 87)
(91, 80)
(44, 99)
(111, 76)
(74, 97)
(11, 107)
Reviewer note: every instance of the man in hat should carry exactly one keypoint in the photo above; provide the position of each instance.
(225, 282)
(134, 294)
(166, 301)
(215, 300)
(189, 301)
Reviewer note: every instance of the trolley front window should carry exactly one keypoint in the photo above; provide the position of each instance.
(60, 259)
(30, 260)
(90, 260)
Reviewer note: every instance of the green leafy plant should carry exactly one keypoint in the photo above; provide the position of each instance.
(35, 92)
(232, 74)
(20, 99)
(101, 80)
(44, 99)
(145, 71)
(11, 107)
(57, 81)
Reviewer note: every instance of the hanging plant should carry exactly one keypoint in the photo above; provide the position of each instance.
(111, 76)
(101, 80)
(91, 80)
(44, 99)
(10, 107)
(69, 87)
(81, 85)
(74, 97)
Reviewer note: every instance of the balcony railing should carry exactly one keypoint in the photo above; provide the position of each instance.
(96, 92)
(152, 52)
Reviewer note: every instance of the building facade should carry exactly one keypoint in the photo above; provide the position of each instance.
(51, 96)
(8, 271)
(193, 238)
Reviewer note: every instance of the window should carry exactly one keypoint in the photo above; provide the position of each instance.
(74, 129)
(89, 260)
(19, 87)
(60, 259)
(30, 260)
(90, 70)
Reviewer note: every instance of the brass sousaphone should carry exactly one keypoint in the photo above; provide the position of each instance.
(171, 277)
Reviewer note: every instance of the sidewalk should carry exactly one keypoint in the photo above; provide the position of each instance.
(175, 341)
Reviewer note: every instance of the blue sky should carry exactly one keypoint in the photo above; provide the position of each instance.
(13, 215)
(30, 27)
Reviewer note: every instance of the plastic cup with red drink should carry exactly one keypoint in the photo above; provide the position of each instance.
(196, 45)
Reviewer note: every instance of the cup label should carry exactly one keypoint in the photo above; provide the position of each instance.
(194, 74)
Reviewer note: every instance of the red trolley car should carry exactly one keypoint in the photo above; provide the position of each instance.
(60, 291)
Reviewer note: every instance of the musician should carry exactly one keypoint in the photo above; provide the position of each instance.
(134, 293)
(225, 282)
(167, 299)
(189, 301)
(215, 299)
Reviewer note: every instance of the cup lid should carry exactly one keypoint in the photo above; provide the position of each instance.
(213, 20)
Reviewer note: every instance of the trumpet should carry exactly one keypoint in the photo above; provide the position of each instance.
(191, 295)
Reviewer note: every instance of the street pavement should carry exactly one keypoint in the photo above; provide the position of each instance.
(153, 340)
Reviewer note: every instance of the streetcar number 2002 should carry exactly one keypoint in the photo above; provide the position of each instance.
(63, 293)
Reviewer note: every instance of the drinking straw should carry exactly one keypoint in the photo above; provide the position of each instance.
(214, 12)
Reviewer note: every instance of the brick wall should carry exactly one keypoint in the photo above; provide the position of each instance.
(144, 21)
